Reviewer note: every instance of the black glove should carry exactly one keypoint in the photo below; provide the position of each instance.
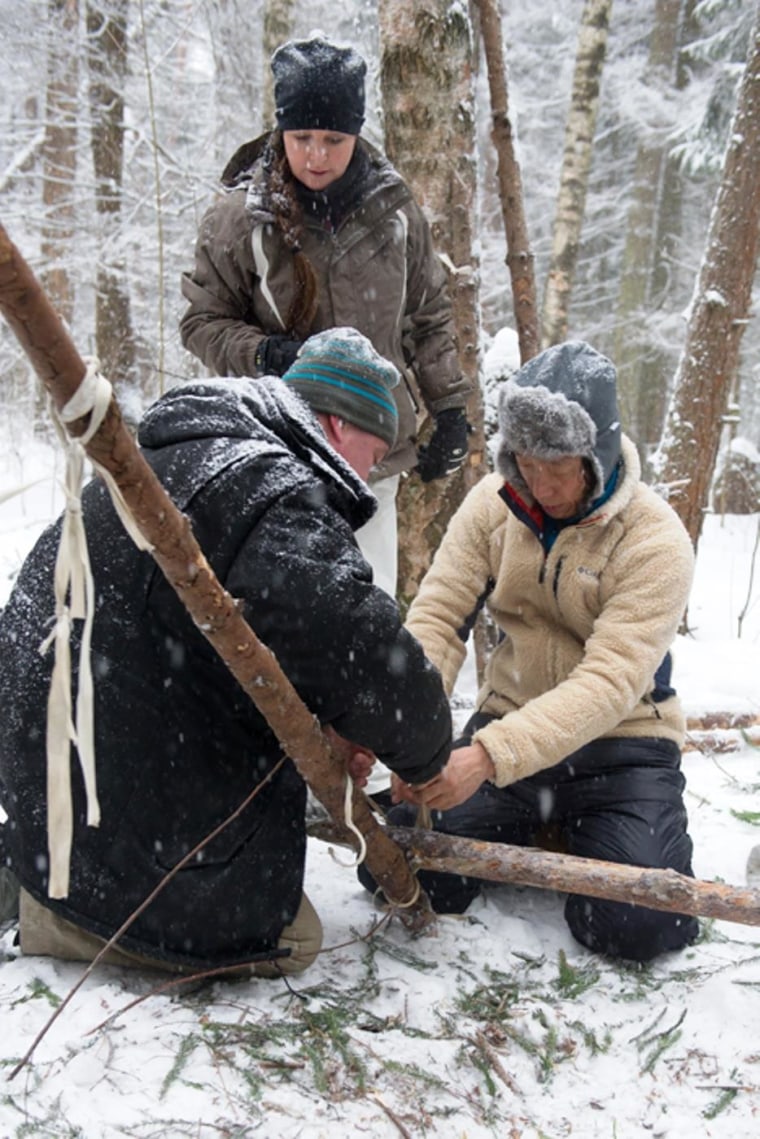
(447, 448)
(275, 354)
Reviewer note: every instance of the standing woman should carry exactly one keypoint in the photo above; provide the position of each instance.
(315, 230)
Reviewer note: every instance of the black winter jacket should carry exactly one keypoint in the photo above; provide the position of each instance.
(178, 744)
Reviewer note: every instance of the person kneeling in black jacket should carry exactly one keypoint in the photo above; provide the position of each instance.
(272, 476)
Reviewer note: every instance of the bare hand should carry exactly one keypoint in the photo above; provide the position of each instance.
(467, 768)
(357, 760)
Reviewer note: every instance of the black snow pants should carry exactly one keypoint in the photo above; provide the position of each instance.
(620, 800)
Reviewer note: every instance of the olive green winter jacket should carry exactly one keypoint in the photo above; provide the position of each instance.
(377, 272)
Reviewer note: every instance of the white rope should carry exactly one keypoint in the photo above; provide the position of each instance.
(75, 600)
(349, 820)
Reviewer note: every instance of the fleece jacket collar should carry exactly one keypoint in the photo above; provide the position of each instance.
(543, 525)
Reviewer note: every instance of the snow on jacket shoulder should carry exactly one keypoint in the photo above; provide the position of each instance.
(179, 746)
(584, 627)
(377, 272)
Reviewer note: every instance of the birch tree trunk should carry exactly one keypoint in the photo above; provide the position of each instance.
(427, 99)
(107, 65)
(576, 165)
(520, 260)
(632, 336)
(59, 152)
(719, 313)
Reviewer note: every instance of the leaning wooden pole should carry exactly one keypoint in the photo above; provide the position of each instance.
(61, 369)
(527, 866)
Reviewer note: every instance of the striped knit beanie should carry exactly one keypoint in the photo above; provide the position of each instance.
(339, 372)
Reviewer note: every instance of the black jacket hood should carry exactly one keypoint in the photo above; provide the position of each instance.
(246, 417)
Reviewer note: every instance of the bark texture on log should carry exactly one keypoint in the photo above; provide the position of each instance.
(526, 866)
(61, 369)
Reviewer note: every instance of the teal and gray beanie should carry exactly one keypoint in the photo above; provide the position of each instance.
(339, 372)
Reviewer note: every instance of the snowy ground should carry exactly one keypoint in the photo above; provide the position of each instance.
(499, 1025)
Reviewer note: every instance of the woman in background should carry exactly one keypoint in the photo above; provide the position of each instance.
(316, 229)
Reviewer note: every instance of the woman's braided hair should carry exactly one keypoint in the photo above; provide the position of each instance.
(288, 217)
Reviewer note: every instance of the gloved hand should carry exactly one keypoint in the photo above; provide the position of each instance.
(275, 354)
(447, 448)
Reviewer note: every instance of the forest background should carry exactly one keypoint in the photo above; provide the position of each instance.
(115, 122)
(117, 117)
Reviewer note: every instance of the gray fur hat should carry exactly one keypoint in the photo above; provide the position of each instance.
(562, 402)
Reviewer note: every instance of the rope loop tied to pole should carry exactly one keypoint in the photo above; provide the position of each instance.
(349, 820)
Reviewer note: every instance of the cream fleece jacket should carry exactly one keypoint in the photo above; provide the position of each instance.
(584, 627)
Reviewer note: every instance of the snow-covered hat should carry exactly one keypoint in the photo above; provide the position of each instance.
(339, 372)
(562, 402)
(318, 85)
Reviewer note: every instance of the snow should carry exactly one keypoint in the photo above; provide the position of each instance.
(498, 1025)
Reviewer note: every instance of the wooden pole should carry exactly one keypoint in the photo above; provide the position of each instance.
(526, 866)
(60, 367)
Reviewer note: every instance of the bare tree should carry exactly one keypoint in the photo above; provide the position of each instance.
(278, 26)
(631, 333)
(719, 313)
(668, 270)
(107, 65)
(59, 152)
(576, 164)
(520, 261)
(426, 78)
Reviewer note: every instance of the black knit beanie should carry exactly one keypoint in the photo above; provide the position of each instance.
(318, 85)
(339, 372)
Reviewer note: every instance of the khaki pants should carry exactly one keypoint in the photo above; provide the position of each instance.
(44, 933)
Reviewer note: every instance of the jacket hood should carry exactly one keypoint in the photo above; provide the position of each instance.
(562, 402)
(239, 167)
(247, 167)
(225, 421)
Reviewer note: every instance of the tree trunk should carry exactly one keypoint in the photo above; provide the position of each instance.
(179, 557)
(520, 261)
(548, 870)
(107, 63)
(632, 339)
(59, 152)
(576, 165)
(668, 272)
(278, 27)
(427, 93)
(719, 313)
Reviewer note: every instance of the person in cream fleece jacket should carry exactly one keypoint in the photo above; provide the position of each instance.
(586, 572)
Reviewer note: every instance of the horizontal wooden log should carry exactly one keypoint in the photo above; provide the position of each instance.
(722, 720)
(548, 870)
